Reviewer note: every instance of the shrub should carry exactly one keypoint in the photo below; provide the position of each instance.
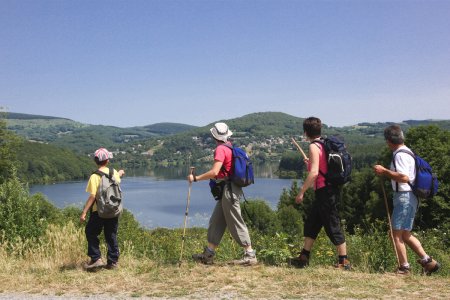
(21, 215)
(290, 220)
(259, 216)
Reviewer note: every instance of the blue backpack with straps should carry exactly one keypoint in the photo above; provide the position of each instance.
(241, 167)
(426, 184)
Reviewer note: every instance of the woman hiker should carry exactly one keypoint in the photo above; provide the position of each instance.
(227, 212)
(323, 211)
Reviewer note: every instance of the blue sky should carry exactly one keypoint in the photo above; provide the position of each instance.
(131, 63)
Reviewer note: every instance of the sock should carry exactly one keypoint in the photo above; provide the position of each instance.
(211, 251)
(425, 259)
(406, 265)
(342, 258)
(305, 252)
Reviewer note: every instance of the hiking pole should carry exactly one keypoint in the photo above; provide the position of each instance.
(299, 148)
(192, 171)
(390, 224)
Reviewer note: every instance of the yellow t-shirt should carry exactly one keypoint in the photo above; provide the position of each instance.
(94, 183)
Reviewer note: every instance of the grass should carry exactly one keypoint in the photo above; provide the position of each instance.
(145, 278)
(54, 267)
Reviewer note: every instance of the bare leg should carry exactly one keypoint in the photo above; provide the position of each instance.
(212, 246)
(342, 249)
(413, 243)
(308, 243)
(400, 245)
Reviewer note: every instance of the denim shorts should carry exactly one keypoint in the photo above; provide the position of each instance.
(405, 207)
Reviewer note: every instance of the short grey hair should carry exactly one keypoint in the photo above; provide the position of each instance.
(394, 134)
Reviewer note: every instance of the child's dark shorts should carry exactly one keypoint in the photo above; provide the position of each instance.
(324, 213)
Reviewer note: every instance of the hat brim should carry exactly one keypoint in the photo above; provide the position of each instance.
(219, 137)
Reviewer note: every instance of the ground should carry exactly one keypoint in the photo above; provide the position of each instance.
(190, 281)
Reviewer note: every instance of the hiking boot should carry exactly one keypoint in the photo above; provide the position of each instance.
(345, 265)
(429, 266)
(111, 266)
(249, 259)
(403, 270)
(300, 261)
(207, 257)
(94, 264)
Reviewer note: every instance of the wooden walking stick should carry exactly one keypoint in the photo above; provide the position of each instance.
(389, 221)
(299, 148)
(192, 171)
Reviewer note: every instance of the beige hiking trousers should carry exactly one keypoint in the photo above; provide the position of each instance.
(227, 214)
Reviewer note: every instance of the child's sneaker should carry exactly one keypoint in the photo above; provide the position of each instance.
(94, 264)
(112, 266)
(345, 265)
(249, 259)
(301, 261)
(429, 266)
(403, 270)
(206, 257)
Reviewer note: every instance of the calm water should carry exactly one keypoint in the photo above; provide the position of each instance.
(159, 202)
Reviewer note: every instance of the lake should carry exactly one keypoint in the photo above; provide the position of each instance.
(156, 201)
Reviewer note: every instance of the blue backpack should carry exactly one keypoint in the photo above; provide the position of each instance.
(426, 184)
(241, 167)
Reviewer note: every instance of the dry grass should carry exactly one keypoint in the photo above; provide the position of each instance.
(55, 268)
(147, 279)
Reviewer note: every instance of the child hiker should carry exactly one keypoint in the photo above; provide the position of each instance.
(96, 224)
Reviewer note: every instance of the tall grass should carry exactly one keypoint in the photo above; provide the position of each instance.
(63, 247)
(36, 235)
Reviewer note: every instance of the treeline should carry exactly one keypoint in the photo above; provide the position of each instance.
(41, 163)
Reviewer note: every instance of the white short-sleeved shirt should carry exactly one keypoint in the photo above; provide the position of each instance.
(405, 165)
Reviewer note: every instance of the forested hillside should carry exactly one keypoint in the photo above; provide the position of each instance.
(83, 137)
(266, 136)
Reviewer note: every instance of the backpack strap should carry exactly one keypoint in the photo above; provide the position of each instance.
(222, 168)
(109, 175)
(393, 162)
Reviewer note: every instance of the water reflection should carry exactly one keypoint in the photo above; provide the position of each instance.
(260, 170)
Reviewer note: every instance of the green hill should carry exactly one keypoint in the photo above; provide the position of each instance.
(81, 137)
(265, 135)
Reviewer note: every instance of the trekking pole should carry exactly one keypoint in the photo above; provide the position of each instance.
(192, 171)
(299, 148)
(390, 224)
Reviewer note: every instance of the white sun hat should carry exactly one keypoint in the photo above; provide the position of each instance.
(221, 132)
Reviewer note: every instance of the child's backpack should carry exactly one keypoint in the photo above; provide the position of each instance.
(241, 167)
(338, 159)
(426, 184)
(109, 196)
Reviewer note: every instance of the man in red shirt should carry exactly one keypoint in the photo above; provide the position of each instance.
(227, 212)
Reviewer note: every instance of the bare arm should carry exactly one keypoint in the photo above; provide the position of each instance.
(396, 176)
(87, 206)
(211, 174)
(313, 173)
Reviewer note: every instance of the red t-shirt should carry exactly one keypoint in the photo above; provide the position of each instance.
(223, 154)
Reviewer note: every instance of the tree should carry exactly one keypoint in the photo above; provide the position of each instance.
(8, 143)
(433, 144)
